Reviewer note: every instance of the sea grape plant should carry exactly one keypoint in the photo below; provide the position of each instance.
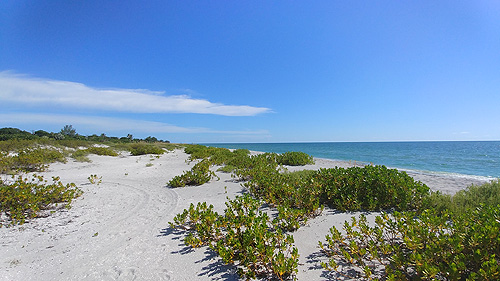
(198, 175)
(144, 148)
(29, 160)
(294, 158)
(23, 198)
(428, 246)
(244, 236)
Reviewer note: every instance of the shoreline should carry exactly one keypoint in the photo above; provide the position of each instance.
(118, 230)
(475, 159)
(445, 183)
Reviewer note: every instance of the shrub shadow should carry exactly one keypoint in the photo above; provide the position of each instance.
(215, 266)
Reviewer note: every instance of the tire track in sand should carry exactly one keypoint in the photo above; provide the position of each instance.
(125, 243)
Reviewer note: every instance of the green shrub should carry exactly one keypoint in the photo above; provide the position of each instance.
(198, 175)
(106, 151)
(81, 154)
(302, 194)
(244, 235)
(30, 160)
(217, 156)
(5, 163)
(24, 198)
(197, 151)
(369, 188)
(144, 148)
(15, 134)
(15, 145)
(465, 200)
(294, 159)
(256, 166)
(403, 246)
(72, 143)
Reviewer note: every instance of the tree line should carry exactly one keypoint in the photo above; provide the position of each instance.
(68, 132)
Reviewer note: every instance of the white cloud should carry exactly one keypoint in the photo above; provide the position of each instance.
(109, 124)
(20, 89)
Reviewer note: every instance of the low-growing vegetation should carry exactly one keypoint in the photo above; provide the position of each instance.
(198, 175)
(244, 236)
(427, 246)
(465, 200)
(144, 148)
(297, 196)
(451, 237)
(81, 154)
(22, 151)
(94, 179)
(294, 158)
(29, 160)
(24, 198)
(422, 235)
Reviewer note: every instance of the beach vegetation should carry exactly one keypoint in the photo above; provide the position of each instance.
(15, 134)
(465, 200)
(24, 198)
(81, 154)
(144, 148)
(243, 235)
(198, 175)
(68, 131)
(370, 188)
(294, 158)
(29, 160)
(304, 193)
(411, 246)
(296, 197)
(95, 179)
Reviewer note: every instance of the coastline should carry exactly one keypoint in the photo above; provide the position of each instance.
(476, 159)
(443, 182)
(118, 230)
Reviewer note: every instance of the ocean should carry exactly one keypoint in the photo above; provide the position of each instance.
(479, 159)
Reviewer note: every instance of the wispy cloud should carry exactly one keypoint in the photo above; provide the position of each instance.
(111, 124)
(21, 89)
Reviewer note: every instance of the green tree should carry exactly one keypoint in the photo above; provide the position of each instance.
(151, 139)
(69, 131)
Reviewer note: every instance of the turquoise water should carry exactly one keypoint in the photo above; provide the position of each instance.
(469, 158)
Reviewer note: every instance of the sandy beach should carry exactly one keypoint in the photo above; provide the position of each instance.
(118, 230)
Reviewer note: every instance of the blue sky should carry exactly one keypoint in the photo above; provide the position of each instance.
(253, 71)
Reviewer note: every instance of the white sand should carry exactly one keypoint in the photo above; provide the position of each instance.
(118, 230)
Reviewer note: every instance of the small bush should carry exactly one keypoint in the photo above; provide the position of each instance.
(424, 247)
(30, 160)
(465, 200)
(369, 188)
(106, 151)
(244, 235)
(81, 154)
(144, 148)
(294, 159)
(25, 198)
(198, 175)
